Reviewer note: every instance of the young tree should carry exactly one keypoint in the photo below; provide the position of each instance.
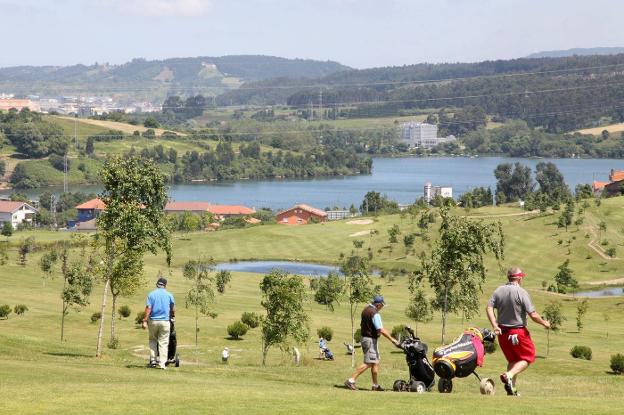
(26, 246)
(455, 269)
(133, 222)
(329, 290)
(77, 286)
(359, 287)
(223, 278)
(7, 229)
(602, 227)
(564, 278)
(393, 232)
(408, 241)
(419, 308)
(581, 310)
(4, 256)
(201, 295)
(358, 243)
(552, 313)
(283, 298)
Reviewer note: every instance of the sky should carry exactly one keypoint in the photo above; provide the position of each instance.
(358, 33)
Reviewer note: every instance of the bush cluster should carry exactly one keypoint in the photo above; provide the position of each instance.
(96, 316)
(617, 363)
(581, 352)
(124, 311)
(237, 330)
(250, 319)
(325, 332)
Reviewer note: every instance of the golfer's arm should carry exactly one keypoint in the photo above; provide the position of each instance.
(537, 318)
(172, 311)
(490, 313)
(148, 311)
(387, 335)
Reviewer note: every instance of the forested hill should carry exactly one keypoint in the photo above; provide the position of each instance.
(200, 74)
(578, 52)
(559, 94)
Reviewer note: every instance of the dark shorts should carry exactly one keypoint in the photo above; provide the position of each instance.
(369, 349)
(517, 345)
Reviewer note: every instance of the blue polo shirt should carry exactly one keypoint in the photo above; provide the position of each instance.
(159, 301)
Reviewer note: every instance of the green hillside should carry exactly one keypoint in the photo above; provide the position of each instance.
(65, 377)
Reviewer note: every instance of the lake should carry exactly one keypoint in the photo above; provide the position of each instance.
(264, 267)
(400, 179)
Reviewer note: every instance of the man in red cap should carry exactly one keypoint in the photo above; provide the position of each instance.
(513, 304)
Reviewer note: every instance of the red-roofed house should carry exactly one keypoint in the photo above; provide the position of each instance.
(219, 211)
(90, 209)
(16, 212)
(300, 215)
(616, 175)
(598, 186)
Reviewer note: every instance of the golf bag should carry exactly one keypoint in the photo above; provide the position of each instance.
(422, 377)
(461, 358)
(173, 358)
(328, 354)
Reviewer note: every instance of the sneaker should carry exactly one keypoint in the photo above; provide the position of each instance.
(153, 364)
(509, 386)
(378, 388)
(350, 385)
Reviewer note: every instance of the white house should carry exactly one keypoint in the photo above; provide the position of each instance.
(16, 212)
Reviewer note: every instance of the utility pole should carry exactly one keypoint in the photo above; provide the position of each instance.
(76, 133)
(311, 111)
(321, 104)
(53, 209)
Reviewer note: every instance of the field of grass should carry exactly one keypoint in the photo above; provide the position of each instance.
(613, 128)
(42, 375)
(98, 125)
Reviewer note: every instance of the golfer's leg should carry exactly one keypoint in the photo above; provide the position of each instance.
(374, 372)
(517, 368)
(359, 370)
(163, 341)
(153, 341)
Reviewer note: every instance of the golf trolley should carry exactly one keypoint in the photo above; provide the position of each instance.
(461, 358)
(327, 354)
(422, 377)
(173, 358)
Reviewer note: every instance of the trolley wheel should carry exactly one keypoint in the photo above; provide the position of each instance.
(445, 385)
(487, 386)
(177, 360)
(417, 386)
(399, 386)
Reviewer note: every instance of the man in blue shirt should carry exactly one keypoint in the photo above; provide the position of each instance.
(159, 311)
(372, 328)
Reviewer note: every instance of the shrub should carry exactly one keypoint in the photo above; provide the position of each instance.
(611, 251)
(124, 311)
(325, 332)
(252, 320)
(358, 335)
(20, 309)
(5, 310)
(581, 352)
(139, 318)
(113, 343)
(237, 329)
(96, 316)
(314, 284)
(617, 363)
(399, 332)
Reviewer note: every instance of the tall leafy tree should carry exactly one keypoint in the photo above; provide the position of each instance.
(330, 290)
(133, 222)
(551, 182)
(455, 268)
(283, 298)
(513, 181)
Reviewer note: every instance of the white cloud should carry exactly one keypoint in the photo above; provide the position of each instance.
(160, 8)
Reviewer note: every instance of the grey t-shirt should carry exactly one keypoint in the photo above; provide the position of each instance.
(512, 303)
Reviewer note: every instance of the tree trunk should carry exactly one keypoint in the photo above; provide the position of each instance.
(352, 338)
(98, 352)
(113, 315)
(265, 351)
(196, 324)
(444, 313)
(547, 342)
(63, 310)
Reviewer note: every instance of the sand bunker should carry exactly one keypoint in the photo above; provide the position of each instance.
(361, 233)
(360, 222)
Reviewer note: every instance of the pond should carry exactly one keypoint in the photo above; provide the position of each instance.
(291, 267)
(606, 292)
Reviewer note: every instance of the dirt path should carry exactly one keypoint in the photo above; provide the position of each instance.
(360, 222)
(504, 215)
(592, 244)
(361, 233)
(617, 281)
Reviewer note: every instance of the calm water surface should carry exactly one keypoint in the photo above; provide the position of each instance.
(401, 179)
(264, 267)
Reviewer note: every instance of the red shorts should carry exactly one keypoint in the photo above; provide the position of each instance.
(517, 345)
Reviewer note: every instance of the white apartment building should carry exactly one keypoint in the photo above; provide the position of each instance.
(418, 134)
(430, 192)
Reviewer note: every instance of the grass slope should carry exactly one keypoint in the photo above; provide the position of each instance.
(39, 374)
